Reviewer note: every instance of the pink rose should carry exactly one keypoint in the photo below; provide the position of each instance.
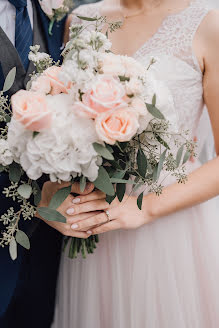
(49, 82)
(30, 109)
(41, 84)
(106, 94)
(117, 125)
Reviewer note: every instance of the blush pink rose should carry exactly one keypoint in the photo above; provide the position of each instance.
(106, 94)
(31, 110)
(117, 125)
(49, 82)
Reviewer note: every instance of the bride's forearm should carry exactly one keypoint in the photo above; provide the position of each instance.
(202, 185)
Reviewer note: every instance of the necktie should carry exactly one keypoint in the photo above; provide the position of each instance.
(23, 31)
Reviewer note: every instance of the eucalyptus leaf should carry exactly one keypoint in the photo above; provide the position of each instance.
(7, 118)
(120, 191)
(82, 183)
(155, 173)
(124, 78)
(35, 133)
(50, 214)
(109, 148)
(103, 151)
(142, 163)
(37, 193)
(25, 191)
(9, 81)
(109, 199)
(22, 239)
(59, 197)
(2, 168)
(139, 200)
(123, 181)
(179, 155)
(119, 174)
(13, 249)
(160, 164)
(14, 172)
(154, 100)
(103, 182)
(89, 19)
(154, 111)
(161, 140)
(186, 157)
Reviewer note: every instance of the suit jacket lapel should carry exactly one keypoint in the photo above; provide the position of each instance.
(54, 41)
(9, 58)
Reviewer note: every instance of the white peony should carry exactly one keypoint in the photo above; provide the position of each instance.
(63, 151)
(6, 156)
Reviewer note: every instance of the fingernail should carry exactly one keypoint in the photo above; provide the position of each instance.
(89, 232)
(74, 226)
(76, 200)
(70, 211)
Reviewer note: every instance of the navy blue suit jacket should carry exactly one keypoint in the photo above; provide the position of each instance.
(27, 285)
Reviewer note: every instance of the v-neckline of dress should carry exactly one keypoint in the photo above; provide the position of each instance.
(160, 28)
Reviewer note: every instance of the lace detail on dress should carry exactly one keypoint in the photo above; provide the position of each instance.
(175, 35)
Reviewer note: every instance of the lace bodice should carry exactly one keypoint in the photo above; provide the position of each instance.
(177, 64)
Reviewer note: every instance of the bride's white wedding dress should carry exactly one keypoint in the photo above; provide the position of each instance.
(165, 274)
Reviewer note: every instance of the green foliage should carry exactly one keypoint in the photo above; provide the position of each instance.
(9, 81)
(103, 151)
(103, 182)
(186, 157)
(179, 155)
(50, 214)
(154, 111)
(13, 249)
(59, 198)
(141, 162)
(25, 191)
(139, 200)
(83, 181)
(160, 164)
(36, 193)
(15, 172)
(22, 239)
(120, 191)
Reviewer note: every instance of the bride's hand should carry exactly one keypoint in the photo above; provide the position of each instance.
(49, 189)
(124, 215)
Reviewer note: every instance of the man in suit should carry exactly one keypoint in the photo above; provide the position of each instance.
(27, 285)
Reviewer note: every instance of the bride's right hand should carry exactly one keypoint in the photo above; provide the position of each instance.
(48, 191)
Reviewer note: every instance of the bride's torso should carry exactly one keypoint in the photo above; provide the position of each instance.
(177, 64)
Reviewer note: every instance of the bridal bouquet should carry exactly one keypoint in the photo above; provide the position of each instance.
(98, 117)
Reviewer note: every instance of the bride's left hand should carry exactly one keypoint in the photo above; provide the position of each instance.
(124, 215)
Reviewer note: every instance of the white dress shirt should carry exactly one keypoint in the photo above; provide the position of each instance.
(8, 16)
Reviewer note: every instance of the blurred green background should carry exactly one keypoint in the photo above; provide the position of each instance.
(80, 2)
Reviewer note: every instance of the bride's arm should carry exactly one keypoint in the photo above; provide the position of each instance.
(202, 184)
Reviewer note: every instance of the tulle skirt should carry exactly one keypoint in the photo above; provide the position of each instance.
(163, 275)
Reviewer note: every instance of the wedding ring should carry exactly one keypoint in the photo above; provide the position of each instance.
(108, 215)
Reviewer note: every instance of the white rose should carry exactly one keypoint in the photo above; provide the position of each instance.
(111, 64)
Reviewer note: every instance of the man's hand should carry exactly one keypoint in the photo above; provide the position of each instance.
(48, 191)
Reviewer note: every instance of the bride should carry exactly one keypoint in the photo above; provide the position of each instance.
(159, 267)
